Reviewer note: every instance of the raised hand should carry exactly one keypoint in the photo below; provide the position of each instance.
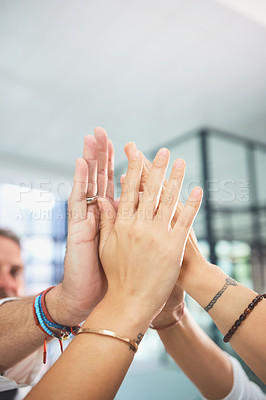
(140, 252)
(192, 254)
(84, 282)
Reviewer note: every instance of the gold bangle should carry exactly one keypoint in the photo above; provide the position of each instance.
(132, 345)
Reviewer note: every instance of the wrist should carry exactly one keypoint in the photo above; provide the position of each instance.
(204, 281)
(60, 309)
(168, 318)
(126, 307)
(139, 307)
(119, 315)
(199, 278)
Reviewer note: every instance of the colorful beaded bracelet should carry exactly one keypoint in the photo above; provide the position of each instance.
(44, 321)
(243, 316)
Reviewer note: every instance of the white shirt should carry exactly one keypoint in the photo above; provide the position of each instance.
(243, 388)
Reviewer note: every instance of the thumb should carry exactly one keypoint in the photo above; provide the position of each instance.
(107, 220)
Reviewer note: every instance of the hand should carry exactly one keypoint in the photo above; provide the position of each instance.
(172, 309)
(141, 254)
(192, 255)
(84, 283)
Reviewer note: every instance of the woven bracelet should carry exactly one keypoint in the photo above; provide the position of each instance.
(44, 321)
(243, 316)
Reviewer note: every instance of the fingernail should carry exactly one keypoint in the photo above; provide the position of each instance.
(135, 155)
(178, 163)
(163, 152)
(197, 193)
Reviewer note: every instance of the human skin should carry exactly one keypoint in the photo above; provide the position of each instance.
(204, 363)
(11, 268)
(203, 281)
(84, 282)
(139, 254)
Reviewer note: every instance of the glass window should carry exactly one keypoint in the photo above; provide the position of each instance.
(40, 221)
(260, 157)
(229, 178)
(190, 152)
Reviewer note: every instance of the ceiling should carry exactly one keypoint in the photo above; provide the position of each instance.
(146, 70)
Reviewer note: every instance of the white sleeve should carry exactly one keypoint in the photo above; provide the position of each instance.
(243, 388)
(2, 301)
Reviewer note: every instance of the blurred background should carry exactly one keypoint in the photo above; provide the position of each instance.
(186, 74)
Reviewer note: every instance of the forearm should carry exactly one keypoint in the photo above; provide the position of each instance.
(99, 362)
(19, 334)
(203, 283)
(205, 364)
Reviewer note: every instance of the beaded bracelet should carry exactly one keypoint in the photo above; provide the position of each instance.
(243, 316)
(41, 320)
(49, 320)
(48, 323)
(44, 321)
(41, 324)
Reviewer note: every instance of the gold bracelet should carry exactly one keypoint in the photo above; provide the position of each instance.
(132, 345)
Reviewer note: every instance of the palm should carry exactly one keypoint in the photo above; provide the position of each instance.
(84, 280)
(87, 278)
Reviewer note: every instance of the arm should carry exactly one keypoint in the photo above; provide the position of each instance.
(19, 334)
(20, 338)
(95, 365)
(205, 364)
(203, 281)
(100, 363)
(84, 282)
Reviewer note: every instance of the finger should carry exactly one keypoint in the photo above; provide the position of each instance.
(179, 209)
(153, 186)
(116, 204)
(147, 165)
(77, 205)
(170, 196)
(122, 180)
(110, 173)
(130, 187)
(107, 219)
(129, 149)
(147, 169)
(102, 147)
(188, 214)
(90, 156)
